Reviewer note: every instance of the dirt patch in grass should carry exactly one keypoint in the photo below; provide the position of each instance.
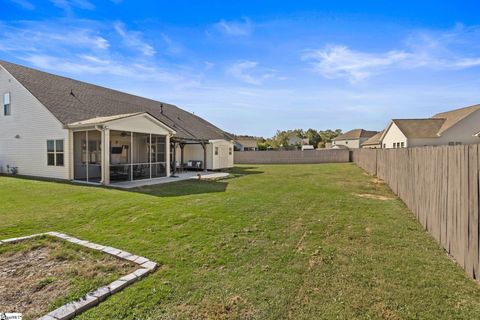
(373, 196)
(233, 307)
(39, 275)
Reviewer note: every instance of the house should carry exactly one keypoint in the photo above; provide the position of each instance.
(352, 139)
(57, 127)
(373, 142)
(459, 126)
(307, 147)
(245, 143)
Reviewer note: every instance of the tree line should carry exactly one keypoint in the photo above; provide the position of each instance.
(286, 139)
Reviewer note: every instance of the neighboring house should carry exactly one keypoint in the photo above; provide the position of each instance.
(294, 140)
(459, 126)
(307, 147)
(352, 139)
(245, 143)
(374, 142)
(56, 127)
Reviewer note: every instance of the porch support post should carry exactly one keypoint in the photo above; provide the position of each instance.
(182, 146)
(174, 162)
(204, 146)
(106, 156)
(167, 156)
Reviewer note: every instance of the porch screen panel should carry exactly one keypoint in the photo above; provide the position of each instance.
(120, 156)
(141, 158)
(80, 155)
(159, 149)
(94, 156)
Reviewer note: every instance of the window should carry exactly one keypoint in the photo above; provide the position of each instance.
(216, 151)
(230, 151)
(384, 146)
(55, 153)
(6, 104)
(402, 144)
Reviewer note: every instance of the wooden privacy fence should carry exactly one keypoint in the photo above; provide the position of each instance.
(440, 185)
(290, 157)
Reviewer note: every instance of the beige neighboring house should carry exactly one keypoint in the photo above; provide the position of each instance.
(246, 143)
(459, 126)
(374, 142)
(352, 139)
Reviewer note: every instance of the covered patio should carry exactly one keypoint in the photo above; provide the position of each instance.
(122, 148)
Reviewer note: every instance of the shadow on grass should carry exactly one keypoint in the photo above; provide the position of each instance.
(191, 187)
(173, 189)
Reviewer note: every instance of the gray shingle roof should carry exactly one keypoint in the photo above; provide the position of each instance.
(419, 128)
(356, 134)
(71, 101)
(376, 139)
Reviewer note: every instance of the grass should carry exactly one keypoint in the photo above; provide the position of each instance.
(44, 273)
(271, 242)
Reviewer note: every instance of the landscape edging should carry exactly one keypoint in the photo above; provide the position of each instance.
(93, 298)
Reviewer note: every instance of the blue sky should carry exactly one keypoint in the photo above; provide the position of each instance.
(252, 67)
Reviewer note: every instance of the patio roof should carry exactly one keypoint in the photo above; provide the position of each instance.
(112, 119)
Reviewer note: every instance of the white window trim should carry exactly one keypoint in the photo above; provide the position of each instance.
(55, 152)
(9, 95)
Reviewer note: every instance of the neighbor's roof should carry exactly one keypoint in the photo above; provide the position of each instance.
(376, 139)
(419, 128)
(71, 101)
(454, 116)
(247, 141)
(356, 134)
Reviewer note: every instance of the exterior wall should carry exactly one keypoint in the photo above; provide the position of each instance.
(35, 125)
(350, 143)
(214, 162)
(140, 124)
(224, 159)
(372, 146)
(462, 133)
(394, 135)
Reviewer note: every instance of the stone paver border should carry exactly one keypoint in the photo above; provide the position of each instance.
(91, 299)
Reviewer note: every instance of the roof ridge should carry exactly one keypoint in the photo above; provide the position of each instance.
(54, 92)
(87, 83)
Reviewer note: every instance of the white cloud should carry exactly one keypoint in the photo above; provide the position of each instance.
(250, 72)
(337, 61)
(451, 50)
(91, 65)
(133, 40)
(68, 5)
(235, 28)
(208, 65)
(242, 71)
(25, 4)
(38, 36)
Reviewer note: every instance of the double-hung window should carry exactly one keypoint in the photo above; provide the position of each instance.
(55, 153)
(7, 110)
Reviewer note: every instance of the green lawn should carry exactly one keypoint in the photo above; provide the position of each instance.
(271, 242)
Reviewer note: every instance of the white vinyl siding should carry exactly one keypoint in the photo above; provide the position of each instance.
(24, 133)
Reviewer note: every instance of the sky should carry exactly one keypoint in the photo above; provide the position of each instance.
(254, 67)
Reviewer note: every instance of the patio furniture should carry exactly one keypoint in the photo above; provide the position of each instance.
(194, 165)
